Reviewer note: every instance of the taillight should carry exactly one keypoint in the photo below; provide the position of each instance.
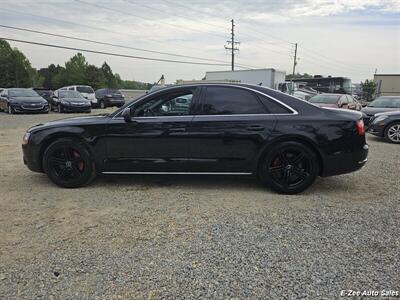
(360, 127)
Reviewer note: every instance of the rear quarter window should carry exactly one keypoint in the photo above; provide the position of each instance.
(272, 106)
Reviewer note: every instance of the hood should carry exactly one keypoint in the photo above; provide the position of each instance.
(77, 121)
(75, 100)
(28, 99)
(370, 111)
(389, 113)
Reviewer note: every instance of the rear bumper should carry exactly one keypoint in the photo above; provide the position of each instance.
(342, 163)
(115, 102)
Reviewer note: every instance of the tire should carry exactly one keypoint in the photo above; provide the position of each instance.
(68, 163)
(392, 133)
(102, 104)
(289, 167)
(10, 110)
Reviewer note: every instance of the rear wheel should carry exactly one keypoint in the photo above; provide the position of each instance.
(68, 164)
(392, 133)
(289, 167)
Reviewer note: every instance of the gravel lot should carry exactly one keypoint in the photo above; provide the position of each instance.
(195, 237)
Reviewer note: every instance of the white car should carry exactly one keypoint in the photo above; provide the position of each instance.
(85, 90)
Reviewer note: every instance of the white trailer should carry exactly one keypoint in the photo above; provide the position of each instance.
(264, 77)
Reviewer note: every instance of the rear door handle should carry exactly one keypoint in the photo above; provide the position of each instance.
(255, 128)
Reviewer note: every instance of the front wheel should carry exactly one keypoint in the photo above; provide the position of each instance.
(68, 163)
(392, 133)
(289, 167)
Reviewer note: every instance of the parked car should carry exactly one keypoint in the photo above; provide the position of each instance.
(70, 101)
(109, 97)
(227, 129)
(336, 101)
(19, 100)
(46, 94)
(86, 91)
(382, 104)
(386, 125)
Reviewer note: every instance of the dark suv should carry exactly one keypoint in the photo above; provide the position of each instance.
(109, 97)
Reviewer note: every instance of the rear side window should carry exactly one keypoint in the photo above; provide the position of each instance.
(230, 101)
(274, 107)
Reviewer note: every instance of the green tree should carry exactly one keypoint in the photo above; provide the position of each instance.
(95, 77)
(368, 87)
(49, 74)
(73, 73)
(15, 68)
(110, 79)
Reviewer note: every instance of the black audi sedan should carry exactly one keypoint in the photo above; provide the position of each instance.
(70, 101)
(386, 125)
(19, 100)
(222, 129)
(109, 97)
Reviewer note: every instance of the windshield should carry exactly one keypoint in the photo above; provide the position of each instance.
(23, 93)
(85, 89)
(387, 102)
(69, 94)
(327, 99)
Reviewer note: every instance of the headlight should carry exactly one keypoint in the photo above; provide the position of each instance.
(25, 139)
(64, 102)
(380, 118)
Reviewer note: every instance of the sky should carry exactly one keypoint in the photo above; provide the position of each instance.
(351, 38)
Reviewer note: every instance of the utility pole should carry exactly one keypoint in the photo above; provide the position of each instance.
(295, 59)
(232, 44)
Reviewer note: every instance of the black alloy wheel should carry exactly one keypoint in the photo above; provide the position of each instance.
(68, 164)
(290, 168)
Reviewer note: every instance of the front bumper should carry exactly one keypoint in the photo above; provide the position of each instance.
(27, 109)
(31, 157)
(377, 130)
(76, 108)
(342, 163)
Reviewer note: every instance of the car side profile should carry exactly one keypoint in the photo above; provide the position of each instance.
(109, 97)
(220, 129)
(336, 101)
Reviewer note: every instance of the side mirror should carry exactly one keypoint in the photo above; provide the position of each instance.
(127, 115)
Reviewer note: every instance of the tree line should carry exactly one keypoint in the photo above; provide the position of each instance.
(17, 71)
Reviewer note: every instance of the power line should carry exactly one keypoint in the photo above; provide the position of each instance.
(141, 17)
(113, 54)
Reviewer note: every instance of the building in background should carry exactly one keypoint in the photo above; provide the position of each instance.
(264, 77)
(387, 84)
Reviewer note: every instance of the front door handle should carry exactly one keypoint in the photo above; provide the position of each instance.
(174, 130)
(255, 128)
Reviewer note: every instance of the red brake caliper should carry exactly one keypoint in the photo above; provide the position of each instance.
(80, 164)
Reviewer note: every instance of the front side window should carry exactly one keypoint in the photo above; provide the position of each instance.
(171, 104)
(230, 101)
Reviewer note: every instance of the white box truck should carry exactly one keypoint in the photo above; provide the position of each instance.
(264, 77)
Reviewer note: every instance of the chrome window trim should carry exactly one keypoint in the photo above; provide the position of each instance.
(294, 112)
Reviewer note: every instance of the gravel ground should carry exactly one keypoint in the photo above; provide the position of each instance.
(195, 237)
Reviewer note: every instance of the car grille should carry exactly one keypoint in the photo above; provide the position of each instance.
(32, 106)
